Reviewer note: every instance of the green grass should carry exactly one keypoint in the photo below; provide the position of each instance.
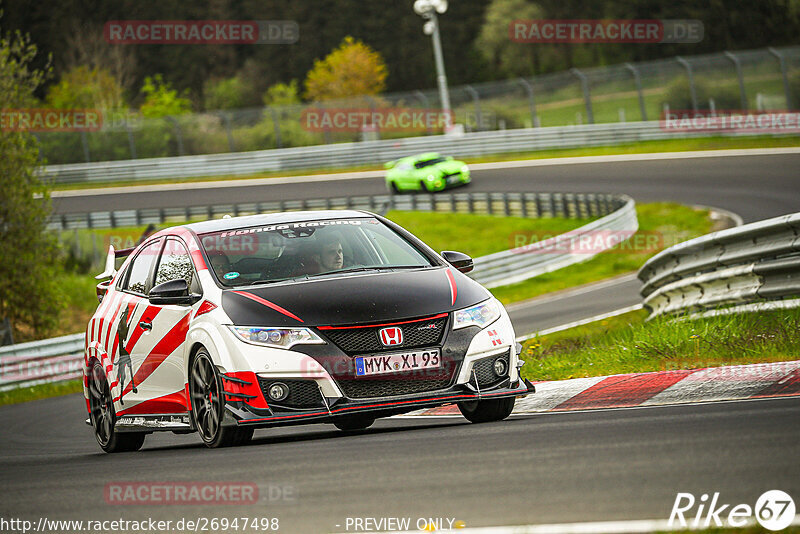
(476, 235)
(42, 391)
(628, 344)
(671, 145)
(668, 222)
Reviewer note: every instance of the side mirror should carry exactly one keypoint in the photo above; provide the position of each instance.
(459, 260)
(172, 292)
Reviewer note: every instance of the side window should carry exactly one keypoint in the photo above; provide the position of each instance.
(141, 267)
(175, 263)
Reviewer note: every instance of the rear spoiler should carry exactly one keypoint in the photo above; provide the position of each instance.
(109, 270)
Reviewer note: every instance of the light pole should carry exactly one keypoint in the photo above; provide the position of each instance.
(428, 9)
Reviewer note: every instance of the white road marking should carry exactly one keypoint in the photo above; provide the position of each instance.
(580, 322)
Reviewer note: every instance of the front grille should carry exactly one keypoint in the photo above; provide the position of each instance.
(365, 389)
(361, 340)
(484, 370)
(302, 393)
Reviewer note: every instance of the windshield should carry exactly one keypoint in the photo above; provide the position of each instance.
(429, 162)
(272, 253)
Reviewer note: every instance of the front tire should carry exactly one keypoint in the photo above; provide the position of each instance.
(104, 417)
(486, 411)
(208, 405)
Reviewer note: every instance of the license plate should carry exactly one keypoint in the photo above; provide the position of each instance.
(453, 178)
(398, 363)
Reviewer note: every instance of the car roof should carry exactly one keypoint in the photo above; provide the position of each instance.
(419, 157)
(221, 225)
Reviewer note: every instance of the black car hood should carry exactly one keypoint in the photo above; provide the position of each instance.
(352, 299)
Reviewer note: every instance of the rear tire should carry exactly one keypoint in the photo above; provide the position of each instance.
(486, 411)
(353, 423)
(208, 405)
(104, 417)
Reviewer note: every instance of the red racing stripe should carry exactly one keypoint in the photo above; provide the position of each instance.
(453, 287)
(172, 403)
(171, 341)
(268, 304)
(788, 385)
(150, 313)
(117, 298)
(624, 390)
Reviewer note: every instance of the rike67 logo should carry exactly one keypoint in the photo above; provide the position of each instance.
(774, 510)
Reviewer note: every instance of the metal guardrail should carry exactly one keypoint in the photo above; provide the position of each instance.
(362, 153)
(754, 263)
(59, 359)
(48, 360)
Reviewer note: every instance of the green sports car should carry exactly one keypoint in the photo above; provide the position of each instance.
(427, 172)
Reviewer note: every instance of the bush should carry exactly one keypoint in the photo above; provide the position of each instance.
(679, 95)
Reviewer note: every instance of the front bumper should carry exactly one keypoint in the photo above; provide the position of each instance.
(243, 414)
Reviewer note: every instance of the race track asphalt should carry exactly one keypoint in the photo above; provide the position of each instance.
(548, 468)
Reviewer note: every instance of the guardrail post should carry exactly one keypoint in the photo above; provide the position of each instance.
(178, 136)
(531, 101)
(372, 115)
(131, 143)
(738, 66)
(638, 81)
(6, 333)
(690, 75)
(477, 101)
(786, 88)
(425, 104)
(276, 124)
(85, 143)
(587, 97)
(226, 119)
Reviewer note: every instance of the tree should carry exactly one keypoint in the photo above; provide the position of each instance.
(353, 69)
(507, 57)
(228, 93)
(29, 297)
(84, 87)
(282, 94)
(161, 99)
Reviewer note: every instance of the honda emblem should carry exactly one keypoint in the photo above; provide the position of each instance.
(391, 336)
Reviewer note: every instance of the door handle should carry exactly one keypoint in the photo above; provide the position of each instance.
(146, 326)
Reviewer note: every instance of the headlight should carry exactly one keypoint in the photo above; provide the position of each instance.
(431, 177)
(481, 315)
(279, 338)
(464, 170)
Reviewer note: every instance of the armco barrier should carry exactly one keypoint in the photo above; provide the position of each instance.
(37, 362)
(58, 359)
(754, 263)
(362, 153)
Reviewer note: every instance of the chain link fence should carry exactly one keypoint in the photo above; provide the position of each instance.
(767, 79)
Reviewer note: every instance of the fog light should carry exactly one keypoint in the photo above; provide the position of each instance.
(278, 391)
(500, 367)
